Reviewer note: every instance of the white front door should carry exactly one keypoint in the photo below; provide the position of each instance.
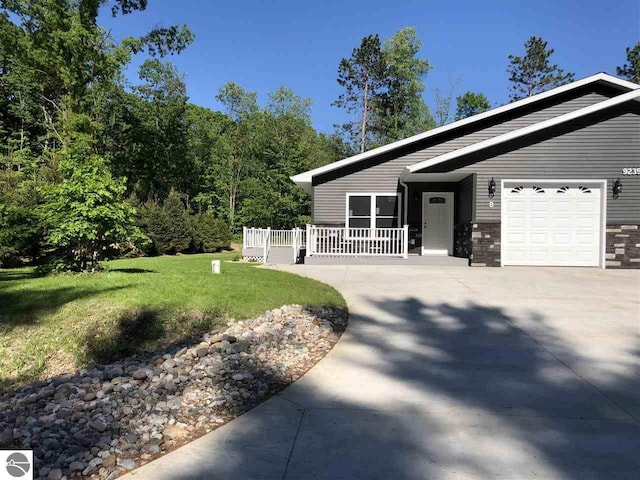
(552, 224)
(437, 223)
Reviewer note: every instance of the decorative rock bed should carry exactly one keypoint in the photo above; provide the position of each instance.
(103, 421)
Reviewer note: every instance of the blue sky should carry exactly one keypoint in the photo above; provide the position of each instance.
(264, 44)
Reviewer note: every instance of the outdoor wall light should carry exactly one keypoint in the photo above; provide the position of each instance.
(617, 188)
(492, 187)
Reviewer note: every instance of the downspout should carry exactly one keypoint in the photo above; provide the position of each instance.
(405, 202)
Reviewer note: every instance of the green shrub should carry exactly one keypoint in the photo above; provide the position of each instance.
(151, 220)
(178, 232)
(209, 234)
(167, 226)
(19, 234)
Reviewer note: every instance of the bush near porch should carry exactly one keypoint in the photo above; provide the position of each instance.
(55, 324)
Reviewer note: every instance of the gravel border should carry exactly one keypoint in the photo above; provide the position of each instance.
(108, 419)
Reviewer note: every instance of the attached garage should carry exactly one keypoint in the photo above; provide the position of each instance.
(553, 223)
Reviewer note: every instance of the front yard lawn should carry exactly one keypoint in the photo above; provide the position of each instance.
(54, 324)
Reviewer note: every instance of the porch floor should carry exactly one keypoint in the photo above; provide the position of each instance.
(426, 260)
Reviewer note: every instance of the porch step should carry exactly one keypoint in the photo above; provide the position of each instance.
(280, 255)
(426, 260)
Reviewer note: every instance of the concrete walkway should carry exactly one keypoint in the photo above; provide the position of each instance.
(450, 373)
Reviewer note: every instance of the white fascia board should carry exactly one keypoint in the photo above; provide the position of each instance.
(307, 177)
(536, 127)
(304, 183)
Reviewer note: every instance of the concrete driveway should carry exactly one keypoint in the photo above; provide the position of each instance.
(451, 373)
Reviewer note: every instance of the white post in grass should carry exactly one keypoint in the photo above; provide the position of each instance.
(244, 237)
(307, 252)
(215, 266)
(405, 241)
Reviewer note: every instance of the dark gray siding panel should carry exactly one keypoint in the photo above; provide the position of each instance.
(598, 151)
(465, 200)
(382, 174)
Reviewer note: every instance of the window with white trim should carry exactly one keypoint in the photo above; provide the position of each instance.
(373, 210)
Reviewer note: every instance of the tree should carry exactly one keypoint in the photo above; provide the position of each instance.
(471, 104)
(533, 73)
(204, 129)
(443, 100)
(402, 111)
(86, 214)
(236, 101)
(210, 234)
(631, 70)
(160, 110)
(167, 226)
(284, 101)
(362, 76)
(152, 221)
(231, 155)
(177, 233)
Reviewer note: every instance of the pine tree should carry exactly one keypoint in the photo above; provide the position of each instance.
(631, 70)
(177, 231)
(362, 75)
(533, 73)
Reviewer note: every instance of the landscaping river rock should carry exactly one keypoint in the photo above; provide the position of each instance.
(105, 420)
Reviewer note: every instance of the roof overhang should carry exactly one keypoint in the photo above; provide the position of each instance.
(443, 177)
(305, 179)
(522, 132)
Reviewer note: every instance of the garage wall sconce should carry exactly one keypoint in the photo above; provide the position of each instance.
(492, 187)
(617, 188)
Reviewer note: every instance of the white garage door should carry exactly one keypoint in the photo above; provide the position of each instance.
(551, 224)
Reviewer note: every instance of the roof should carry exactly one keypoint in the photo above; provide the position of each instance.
(536, 127)
(305, 179)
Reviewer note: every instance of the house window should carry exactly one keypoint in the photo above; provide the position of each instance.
(373, 210)
(359, 214)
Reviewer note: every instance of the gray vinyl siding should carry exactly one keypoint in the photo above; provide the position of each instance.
(330, 191)
(599, 152)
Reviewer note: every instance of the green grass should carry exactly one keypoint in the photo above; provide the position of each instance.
(53, 324)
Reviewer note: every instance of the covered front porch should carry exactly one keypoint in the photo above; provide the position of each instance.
(426, 221)
(438, 210)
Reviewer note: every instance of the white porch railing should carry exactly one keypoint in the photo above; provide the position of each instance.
(254, 237)
(363, 242)
(282, 238)
(331, 241)
(266, 238)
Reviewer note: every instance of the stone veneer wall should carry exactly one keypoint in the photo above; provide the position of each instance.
(462, 240)
(485, 249)
(623, 246)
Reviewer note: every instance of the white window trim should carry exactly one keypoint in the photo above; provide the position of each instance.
(372, 213)
(603, 207)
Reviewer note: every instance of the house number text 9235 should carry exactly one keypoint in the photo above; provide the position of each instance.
(631, 171)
